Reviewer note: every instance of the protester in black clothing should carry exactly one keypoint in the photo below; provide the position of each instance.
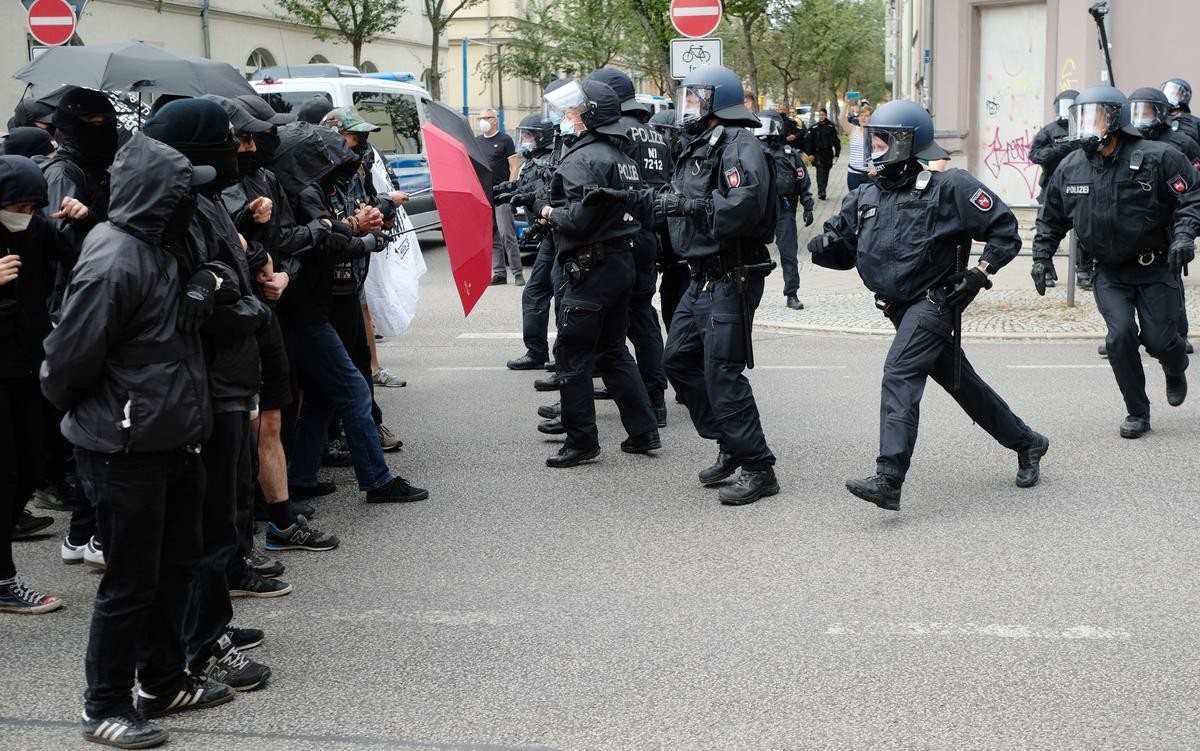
(34, 143)
(131, 379)
(27, 246)
(825, 147)
(30, 113)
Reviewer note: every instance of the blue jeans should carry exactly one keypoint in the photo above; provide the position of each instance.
(332, 384)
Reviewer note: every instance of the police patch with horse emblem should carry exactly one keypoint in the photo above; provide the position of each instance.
(1178, 184)
(733, 177)
(982, 200)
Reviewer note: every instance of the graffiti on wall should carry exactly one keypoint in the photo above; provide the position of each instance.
(1066, 76)
(1010, 154)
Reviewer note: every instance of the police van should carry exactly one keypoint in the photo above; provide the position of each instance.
(389, 100)
(655, 102)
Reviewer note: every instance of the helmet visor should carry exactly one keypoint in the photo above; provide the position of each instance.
(556, 103)
(692, 104)
(884, 145)
(1064, 108)
(1093, 120)
(769, 127)
(1176, 94)
(1143, 114)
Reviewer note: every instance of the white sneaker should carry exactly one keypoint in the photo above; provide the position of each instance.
(383, 377)
(71, 554)
(93, 555)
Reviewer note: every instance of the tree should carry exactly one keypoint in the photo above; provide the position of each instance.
(440, 13)
(654, 58)
(748, 15)
(355, 22)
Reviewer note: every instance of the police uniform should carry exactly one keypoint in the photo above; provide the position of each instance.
(794, 187)
(595, 249)
(905, 244)
(706, 349)
(1128, 208)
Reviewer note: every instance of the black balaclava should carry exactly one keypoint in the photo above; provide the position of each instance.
(199, 129)
(29, 112)
(28, 141)
(898, 176)
(265, 146)
(314, 110)
(94, 145)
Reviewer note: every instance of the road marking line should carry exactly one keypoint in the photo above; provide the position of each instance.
(497, 335)
(467, 368)
(800, 367)
(999, 630)
(1058, 367)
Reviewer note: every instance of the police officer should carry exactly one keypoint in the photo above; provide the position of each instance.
(721, 213)
(1179, 94)
(903, 231)
(595, 249)
(649, 151)
(793, 186)
(1136, 205)
(1049, 147)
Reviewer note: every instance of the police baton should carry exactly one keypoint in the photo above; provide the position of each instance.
(741, 278)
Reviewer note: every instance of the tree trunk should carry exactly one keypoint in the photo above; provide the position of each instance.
(435, 76)
(748, 38)
(356, 46)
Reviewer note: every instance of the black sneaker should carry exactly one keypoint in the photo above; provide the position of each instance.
(550, 411)
(229, 666)
(299, 536)
(330, 458)
(245, 638)
(124, 731)
(28, 525)
(16, 597)
(883, 491)
(263, 564)
(303, 492)
(1029, 461)
(57, 497)
(397, 491)
(198, 692)
(254, 585)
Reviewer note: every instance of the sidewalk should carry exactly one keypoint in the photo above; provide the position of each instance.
(838, 301)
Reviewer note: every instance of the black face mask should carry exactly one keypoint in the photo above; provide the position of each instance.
(265, 146)
(363, 145)
(898, 176)
(176, 230)
(223, 157)
(247, 163)
(95, 145)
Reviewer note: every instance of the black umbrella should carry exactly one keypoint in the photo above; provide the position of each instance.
(131, 110)
(132, 66)
(455, 125)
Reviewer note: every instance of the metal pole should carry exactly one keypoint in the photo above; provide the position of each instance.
(927, 33)
(204, 29)
(1072, 257)
(466, 104)
(499, 88)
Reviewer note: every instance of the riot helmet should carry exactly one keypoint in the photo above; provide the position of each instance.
(663, 122)
(548, 111)
(771, 129)
(715, 91)
(1098, 113)
(1148, 110)
(622, 85)
(595, 104)
(534, 134)
(900, 131)
(1179, 93)
(1062, 104)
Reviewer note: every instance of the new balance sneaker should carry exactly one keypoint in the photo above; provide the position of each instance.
(71, 554)
(299, 536)
(124, 731)
(198, 692)
(229, 666)
(254, 585)
(388, 440)
(93, 554)
(245, 638)
(28, 525)
(263, 564)
(16, 597)
(383, 377)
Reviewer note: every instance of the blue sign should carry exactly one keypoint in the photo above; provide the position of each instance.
(853, 95)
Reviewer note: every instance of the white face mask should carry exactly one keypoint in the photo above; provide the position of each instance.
(567, 127)
(485, 127)
(15, 221)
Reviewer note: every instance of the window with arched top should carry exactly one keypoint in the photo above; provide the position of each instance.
(259, 58)
(318, 59)
(368, 67)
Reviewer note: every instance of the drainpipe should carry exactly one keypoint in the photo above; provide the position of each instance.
(466, 101)
(927, 34)
(204, 28)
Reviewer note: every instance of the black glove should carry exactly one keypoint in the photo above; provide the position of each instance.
(535, 232)
(1182, 253)
(606, 195)
(966, 287)
(816, 244)
(499, 199)
(341, 228)
(197, 302)
(538, 206)
(673, 204)
(522, 199)
(508, 186)
(808, 218)
(1043, 271)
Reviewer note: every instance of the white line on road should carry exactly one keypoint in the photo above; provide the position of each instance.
(1057, 367)
(496, 335)
(469, 367)
(999, 630)
(800, 367)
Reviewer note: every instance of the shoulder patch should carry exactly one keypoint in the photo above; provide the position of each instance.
(982, 200)
(733, 177)
(1178, 184)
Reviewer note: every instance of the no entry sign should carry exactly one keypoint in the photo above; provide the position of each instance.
(51, 22)
(694, 18)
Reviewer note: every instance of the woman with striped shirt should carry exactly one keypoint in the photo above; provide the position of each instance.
(856, 174)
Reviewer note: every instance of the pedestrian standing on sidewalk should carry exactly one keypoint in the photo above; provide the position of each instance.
(502, 158)
(857, 171)
(825, 147)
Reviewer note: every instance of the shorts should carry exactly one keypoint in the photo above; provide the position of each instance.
(276, 390)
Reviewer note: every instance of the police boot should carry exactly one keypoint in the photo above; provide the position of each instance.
(1029, 461)
(750, 486)
(881, 490)
(1084, 278)
(725, 466)
(641, 444)
(527, 362)
(794, 303)
(570, 457)
(1102, 350)
(552, 427)
(659, 402)
(550, 411)
(551, 382)
(1135, 427)
(1176, 389)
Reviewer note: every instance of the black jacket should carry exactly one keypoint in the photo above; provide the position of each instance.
(1190, 148)
(67, 175)
(282, 238)
(1119, 212)
(1049, 148)
(905, 242)
(117, 347)
(648, 151)
(1187, 124)
(791, 176)
(728, 165)
(823, 141)
(592, 161)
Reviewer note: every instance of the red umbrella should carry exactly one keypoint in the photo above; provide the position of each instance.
(462, 189)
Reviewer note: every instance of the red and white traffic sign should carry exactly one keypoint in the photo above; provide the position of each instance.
(51, 22)
(695, 18)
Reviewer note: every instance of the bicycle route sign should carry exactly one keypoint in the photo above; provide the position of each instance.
(690, 54)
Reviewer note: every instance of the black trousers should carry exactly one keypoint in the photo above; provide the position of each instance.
(22, 424)
(227, 462)
(924, 348)
(673, 281)
(823, 163)
(149, 508)
(536, 297)
(591, 339)
(645, 332)
(706, 362)
(1141, 306)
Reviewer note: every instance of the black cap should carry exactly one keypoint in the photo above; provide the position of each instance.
(189, 121)
(258, 107)
(239, 117)
(622, 86)
(80, 102)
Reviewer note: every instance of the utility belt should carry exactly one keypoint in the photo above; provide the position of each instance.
(1149, 257)
(587, 257)
(722, 263)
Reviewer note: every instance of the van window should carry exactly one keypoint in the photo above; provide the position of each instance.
(396, 115)
(290, 101)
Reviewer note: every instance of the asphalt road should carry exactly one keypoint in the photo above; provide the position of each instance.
(619, 606)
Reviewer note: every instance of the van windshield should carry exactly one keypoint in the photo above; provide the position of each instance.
(397, 118)
(291, 101)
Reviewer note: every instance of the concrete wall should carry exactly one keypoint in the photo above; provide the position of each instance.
(236, 29)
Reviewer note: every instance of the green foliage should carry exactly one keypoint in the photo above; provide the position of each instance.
(356, 22)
